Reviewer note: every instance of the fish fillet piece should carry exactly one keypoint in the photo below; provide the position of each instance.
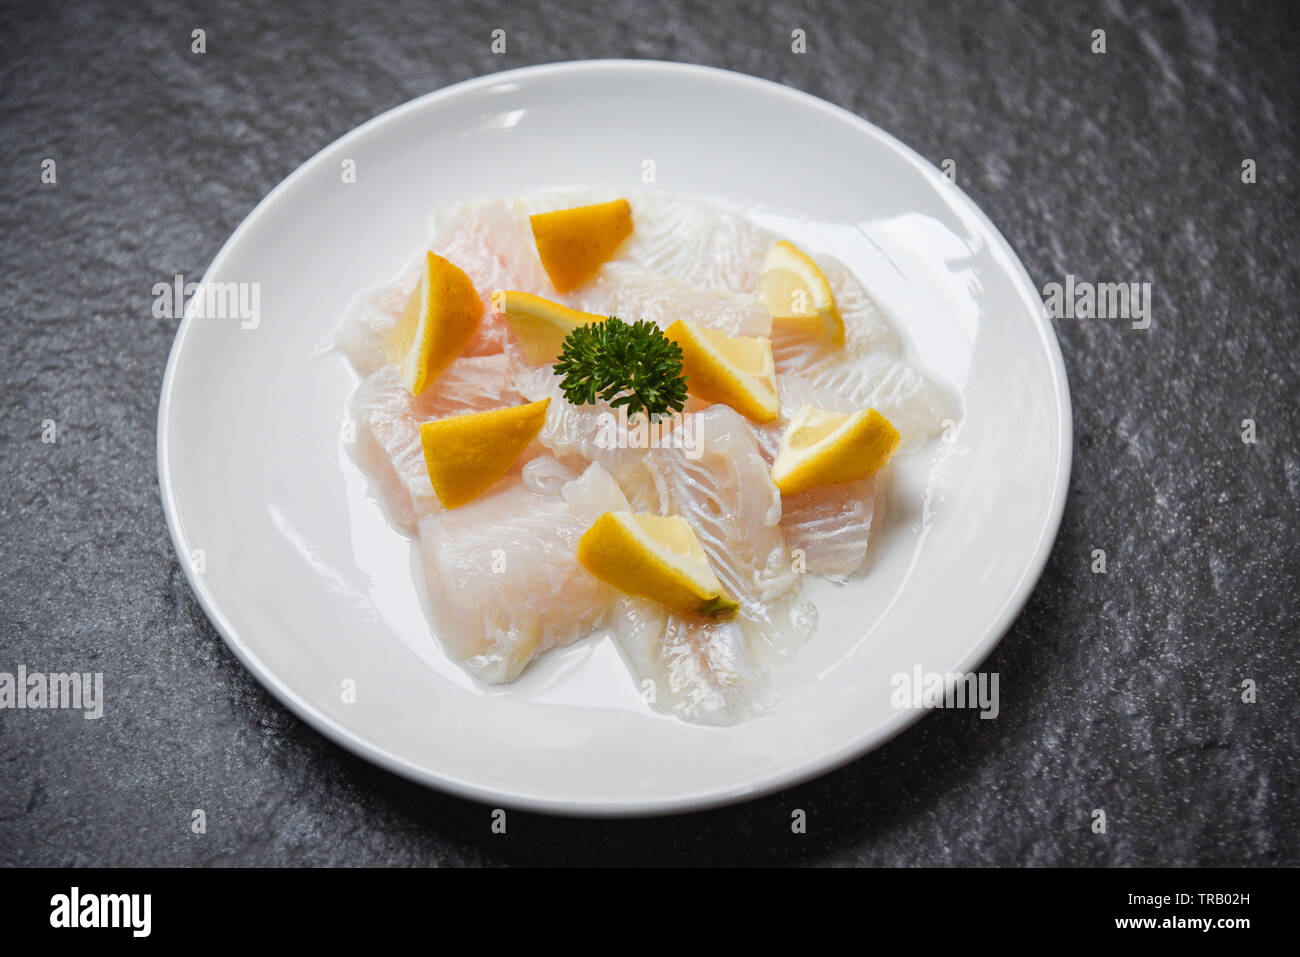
(701, 247)
(360, 333)
(696, 669)
(490, 242)
(503, 576)
(915, 403)
(830, 527)
(794, 393)
(696, 244)
(598, 433)
(870, 369)
(632, 292)
(388, 422)
(720, 484)
(865, 326)
(653, 275)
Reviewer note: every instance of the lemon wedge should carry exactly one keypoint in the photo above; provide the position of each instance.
(539, 324)
(735, 370)
(439, 319)
(468, 454)
(830, 448)
(574, 243)
(657, 558)
(796, 293)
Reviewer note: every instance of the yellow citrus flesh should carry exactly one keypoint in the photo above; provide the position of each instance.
(796, 293)
(539, 324)
(439, 319)
(468, 454)
(574, 243)
(830, 448)
(657, 558)
(735, 370)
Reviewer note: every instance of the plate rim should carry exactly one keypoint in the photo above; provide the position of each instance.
(715, 797)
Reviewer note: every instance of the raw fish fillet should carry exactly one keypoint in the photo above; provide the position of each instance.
(503, 575)
(596, 433)
(700, 245)
(699, 670)
(486, 240)
(830, 526)
(870, 369)
(697, 244)
(916, 404)
(723, 488)
(631, 292)
(503, 580)
(698, 253)
(794, 393)
(388, 421)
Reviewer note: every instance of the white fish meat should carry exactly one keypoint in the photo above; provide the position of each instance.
(723, 488)
(504, 580)
(489, 243)
(632, 292)
(829, 528)
(599, 432)
(388, 420)
(696, 669)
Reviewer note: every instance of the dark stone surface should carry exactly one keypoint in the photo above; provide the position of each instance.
(1119, 691)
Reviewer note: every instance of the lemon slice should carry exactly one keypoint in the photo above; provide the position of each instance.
(574, 243)
(439, 319)
(796, 293)
(468, 454)
(657, 558)
(830, 448)
(539, 324)
(735, 370)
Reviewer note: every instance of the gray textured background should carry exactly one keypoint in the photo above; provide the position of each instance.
(1119, 691)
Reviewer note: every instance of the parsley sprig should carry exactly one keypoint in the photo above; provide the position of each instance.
(625, 364)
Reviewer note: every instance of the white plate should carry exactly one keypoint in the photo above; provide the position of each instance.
(311, 587)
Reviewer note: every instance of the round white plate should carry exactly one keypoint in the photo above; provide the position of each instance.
(298, 569)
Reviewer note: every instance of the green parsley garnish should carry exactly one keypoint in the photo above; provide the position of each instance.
(626, 364)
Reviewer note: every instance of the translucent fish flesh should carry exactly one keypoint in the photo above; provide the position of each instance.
(388, 420)
(698, 670)
(503, 575)
(828, 529)
(625, 289)
(503, 581)
(722, 484)
(489, 242)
